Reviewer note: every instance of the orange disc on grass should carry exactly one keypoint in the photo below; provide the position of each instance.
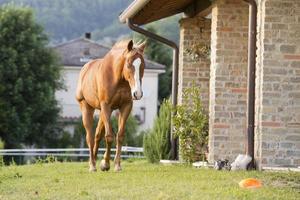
(250, 183)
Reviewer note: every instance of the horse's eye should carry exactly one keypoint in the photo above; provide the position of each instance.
(128, 64)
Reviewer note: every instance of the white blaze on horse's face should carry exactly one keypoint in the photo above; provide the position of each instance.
(137, 92)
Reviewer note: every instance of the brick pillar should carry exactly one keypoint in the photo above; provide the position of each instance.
(278, 84)
(194, 32)
(228, 79)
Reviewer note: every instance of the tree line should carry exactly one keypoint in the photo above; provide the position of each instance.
(29, 77)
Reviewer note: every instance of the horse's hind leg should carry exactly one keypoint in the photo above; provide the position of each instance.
(87, 119)
(105, 117)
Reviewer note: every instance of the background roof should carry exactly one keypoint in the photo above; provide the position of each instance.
(79, 51)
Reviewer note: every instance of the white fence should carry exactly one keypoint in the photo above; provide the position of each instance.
(127, 152)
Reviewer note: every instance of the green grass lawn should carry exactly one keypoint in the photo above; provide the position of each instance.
(140, 180)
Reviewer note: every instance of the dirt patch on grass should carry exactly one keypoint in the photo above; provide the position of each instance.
(289, 179)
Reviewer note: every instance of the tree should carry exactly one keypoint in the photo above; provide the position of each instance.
(29, 76)
(156, 140)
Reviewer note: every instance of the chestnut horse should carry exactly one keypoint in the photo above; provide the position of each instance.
(108, 84)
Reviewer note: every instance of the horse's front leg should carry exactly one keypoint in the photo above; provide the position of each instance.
(124, 113)
(98, 136)
(105, 117)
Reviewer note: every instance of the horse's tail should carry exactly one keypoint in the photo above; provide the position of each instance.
(79, 94)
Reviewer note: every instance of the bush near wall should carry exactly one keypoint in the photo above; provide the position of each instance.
(191, 126)
(156, 140)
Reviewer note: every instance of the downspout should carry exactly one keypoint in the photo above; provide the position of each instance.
(251, 78)
(173, 45)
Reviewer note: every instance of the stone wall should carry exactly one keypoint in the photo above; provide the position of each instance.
(228, 79)
(194, 32)
(277, 105)
(278, 83)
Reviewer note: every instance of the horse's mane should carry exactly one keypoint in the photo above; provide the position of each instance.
(121, 44)
(119, 47)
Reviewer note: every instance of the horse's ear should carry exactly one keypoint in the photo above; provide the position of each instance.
(142, 46)
(130, 45)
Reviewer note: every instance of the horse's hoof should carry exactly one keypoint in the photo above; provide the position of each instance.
(118, 168)
(92, 169)
(104, 166)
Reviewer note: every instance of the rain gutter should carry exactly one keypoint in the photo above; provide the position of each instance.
(132, 10)
(251, 79)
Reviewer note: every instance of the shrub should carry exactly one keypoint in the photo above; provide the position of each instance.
(1, 144)
(191, 126)
(156, 141)
(1, 157)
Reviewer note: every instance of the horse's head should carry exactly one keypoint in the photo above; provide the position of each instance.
(133, 70)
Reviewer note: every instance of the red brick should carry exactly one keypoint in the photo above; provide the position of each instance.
(271, 124)
(292, 57)
(219, 125)
(225, 29)
(239, 90)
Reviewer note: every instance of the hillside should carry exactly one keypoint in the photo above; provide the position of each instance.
(67, 19)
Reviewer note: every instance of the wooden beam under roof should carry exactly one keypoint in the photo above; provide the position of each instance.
(202, 7)
(158, 9)
(146, 11)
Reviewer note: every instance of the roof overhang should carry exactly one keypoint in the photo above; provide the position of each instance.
(145, 11)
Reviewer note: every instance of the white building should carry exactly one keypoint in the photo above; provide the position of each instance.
(74, 54)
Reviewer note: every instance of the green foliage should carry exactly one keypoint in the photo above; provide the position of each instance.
(65, 140)
(1, 157)
(78, 139)
(132, 138)
(1, 144)
(168, 27)
(29, 77)
(130, 131)
(156, 140)
(47, 159)
(191, 126)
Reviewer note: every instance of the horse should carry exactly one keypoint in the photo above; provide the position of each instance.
(108, 84)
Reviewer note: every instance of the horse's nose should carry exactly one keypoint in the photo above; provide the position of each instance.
(138, 94)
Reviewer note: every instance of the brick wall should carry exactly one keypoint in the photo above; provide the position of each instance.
(278, 83)
(228, 79)
(194, 31)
